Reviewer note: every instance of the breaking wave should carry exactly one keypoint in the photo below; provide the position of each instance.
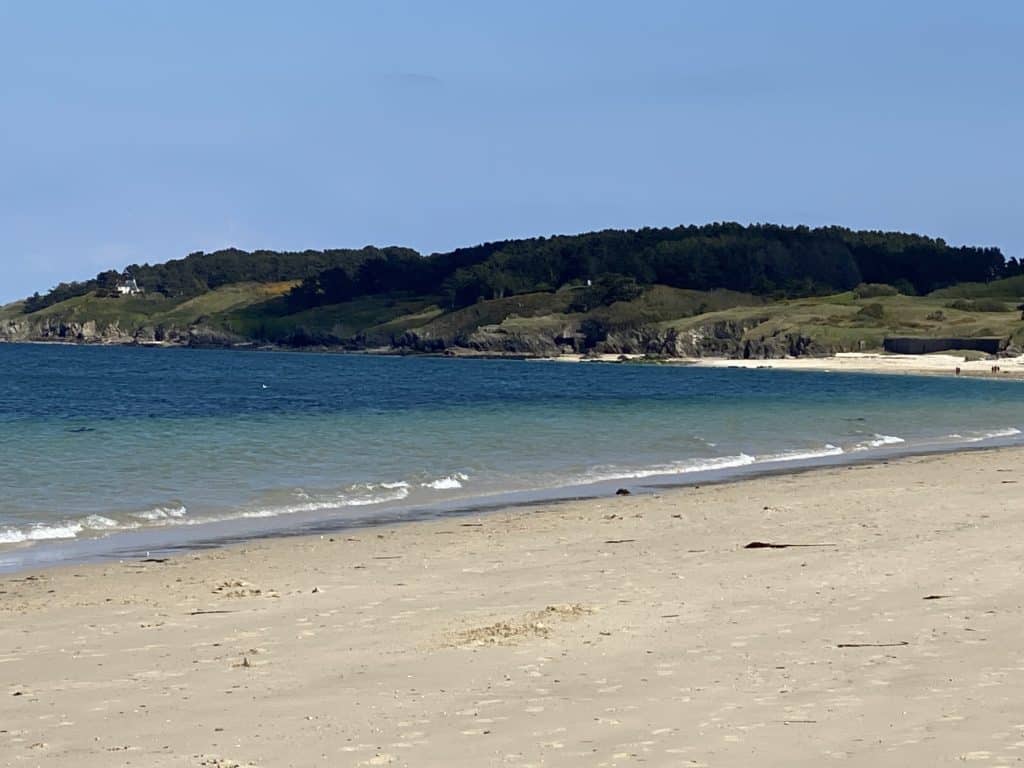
(878, 441)
(828, 450)
(708, 464)
(161, 513)
(694, 465)
(365, 494)
(424, 489)
(447, 483)
(362, 495)
(64, 530)
(1005, 432)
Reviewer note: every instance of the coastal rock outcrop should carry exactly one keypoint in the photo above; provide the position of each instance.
(738, 339)
(502, 341)
(55, 329)
(720, 338)
(548, 336)
(206, 336)
(95, 332)
(416, 341)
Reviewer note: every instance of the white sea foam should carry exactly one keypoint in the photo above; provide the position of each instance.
(828, 450)
(447, 483)
(357, 496)
(1006, 432)
(878, 441)
(395, 492)
(67, 529)
(678, 468)
(40, 533)
(717, 463)
(161, 513)
(705, 465)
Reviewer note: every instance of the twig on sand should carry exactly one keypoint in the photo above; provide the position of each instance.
(770, 545)
(872, 645)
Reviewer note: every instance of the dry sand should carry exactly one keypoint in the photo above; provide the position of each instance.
(610, 632)
(867, 362)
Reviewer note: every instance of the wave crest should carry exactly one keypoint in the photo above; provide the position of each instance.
(447, 483)
(878, 441)
(162, 513)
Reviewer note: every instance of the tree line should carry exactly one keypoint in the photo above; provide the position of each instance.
(200, 272)
(763, 259)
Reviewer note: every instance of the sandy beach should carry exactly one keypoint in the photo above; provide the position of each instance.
(850, 362)
(629, 630)
(867, 362)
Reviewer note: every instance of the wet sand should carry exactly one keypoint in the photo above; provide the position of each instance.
(630, 630)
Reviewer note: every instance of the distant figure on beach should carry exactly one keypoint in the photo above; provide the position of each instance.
(958, 370)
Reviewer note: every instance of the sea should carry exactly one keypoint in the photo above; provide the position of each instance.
(118, 451)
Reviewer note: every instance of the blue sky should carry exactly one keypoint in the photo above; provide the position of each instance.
(141, 131)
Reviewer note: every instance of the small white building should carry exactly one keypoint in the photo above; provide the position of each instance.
(128, 288)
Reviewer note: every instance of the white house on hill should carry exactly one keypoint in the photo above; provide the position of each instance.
(128, 287)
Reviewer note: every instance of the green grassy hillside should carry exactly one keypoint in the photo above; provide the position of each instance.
(657, 320)
(845, 323)
(722, 288)
(1010, 289)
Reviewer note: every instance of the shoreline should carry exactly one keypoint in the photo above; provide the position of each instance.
(933, 364)
(598, 632)
(160, 541)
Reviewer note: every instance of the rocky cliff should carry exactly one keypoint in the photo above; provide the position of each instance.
(717, 338)
(93, 332)
(720, 338)
(738, 339)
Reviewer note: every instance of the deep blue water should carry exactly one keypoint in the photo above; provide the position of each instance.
(96, 441)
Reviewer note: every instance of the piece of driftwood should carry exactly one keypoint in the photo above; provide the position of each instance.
(872, 645)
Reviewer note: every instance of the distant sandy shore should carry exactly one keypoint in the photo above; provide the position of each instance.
(611, 632)
(855, 362)
(882, 363)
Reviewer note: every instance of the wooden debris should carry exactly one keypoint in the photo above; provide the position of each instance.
(872, 645)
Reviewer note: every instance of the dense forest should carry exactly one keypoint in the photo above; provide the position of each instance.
(200, 272)
(762, 259)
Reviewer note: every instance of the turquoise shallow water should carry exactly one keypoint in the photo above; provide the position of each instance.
(96, 442)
